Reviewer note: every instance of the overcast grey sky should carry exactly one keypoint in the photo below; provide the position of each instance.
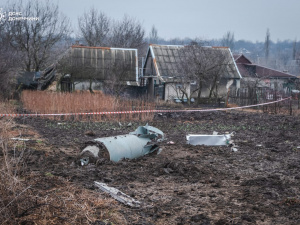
(248, 19)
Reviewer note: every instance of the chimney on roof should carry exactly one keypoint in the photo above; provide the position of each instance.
(285, 71)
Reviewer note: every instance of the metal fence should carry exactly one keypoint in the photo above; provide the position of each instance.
(252, 96)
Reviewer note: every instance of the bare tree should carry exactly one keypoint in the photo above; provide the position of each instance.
(204, 66)
(118, 72)
(153, 37)
(228, 40)
(34, 39)
(8, 67)
(94, 27)
(97, 29)
(267, 44)
(251, 82)
(127, 33)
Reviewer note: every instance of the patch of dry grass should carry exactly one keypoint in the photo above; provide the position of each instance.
(85, 102)
(7, 107)
(66, 203)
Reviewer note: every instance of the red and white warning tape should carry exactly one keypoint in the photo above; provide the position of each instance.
(140, 111)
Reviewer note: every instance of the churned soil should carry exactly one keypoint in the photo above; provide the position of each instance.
(184, 184)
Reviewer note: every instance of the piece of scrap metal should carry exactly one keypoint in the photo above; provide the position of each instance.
(118, 195)
(209, 140)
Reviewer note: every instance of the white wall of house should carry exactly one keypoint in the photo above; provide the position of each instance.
(223, 87)
(172, 90)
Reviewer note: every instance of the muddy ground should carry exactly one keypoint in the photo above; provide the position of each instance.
(258, 184)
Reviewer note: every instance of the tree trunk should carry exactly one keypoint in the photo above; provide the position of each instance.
(28, 67)
(213, 87)
(188, 98)
(199, 93)
(90, 88)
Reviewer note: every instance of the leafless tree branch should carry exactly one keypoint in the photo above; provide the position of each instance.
(203, 65)
(117, 74)
(94, 27)
(34, 39)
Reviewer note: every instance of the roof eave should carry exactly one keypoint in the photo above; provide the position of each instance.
(237, 69)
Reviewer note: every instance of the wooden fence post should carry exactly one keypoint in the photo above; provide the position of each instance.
(227, 97)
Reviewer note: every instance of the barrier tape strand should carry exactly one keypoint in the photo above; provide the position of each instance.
(140, 111)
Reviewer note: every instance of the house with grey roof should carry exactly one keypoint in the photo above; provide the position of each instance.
(88, 67)
(263, 77)
(162, 66)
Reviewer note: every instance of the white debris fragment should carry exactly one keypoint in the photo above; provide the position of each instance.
(92, 149)
(159, 151)
(118, 195)
(234, 149)
(209, 140)
(20, 139)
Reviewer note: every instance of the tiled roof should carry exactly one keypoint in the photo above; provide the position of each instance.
(267, 72)
(167, 60)
(247, 69)
(255, 71)
(240, 58)
(236, 56)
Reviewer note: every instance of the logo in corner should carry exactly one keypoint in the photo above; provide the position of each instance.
(2, 15)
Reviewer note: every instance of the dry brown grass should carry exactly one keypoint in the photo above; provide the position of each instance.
(7, 106)
(85, 102)
(231, 105)
(12, 189)
(168, 104)
(35, 198)
(65, 203)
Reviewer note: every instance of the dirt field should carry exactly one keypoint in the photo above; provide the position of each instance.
(258, 184)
